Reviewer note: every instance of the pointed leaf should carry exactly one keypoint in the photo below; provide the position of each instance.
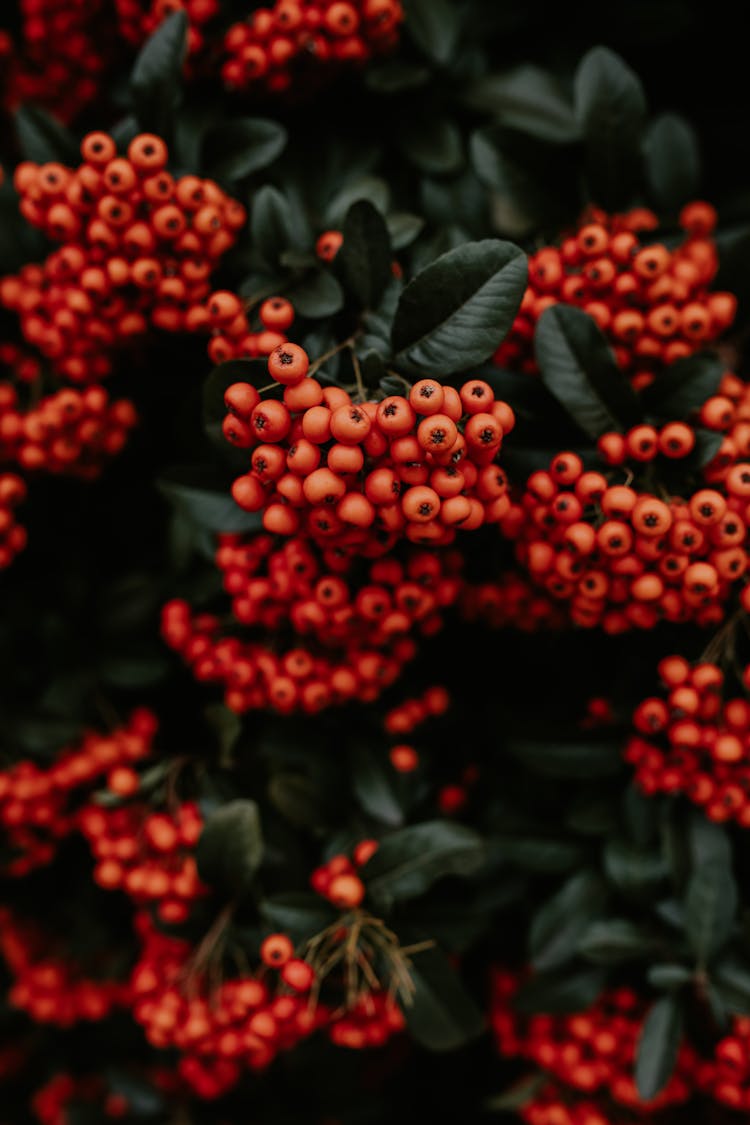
(155, 78)
(410, 860)
(672, 161)
(244, 145)
(363, 264)
(456, 312)
(579, 368)
(230, 848)
(658, 1045)
(558, 925)
(610, 107)
(43, 139)
(442, 1015)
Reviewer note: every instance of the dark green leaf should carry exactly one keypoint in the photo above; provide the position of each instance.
(560, 991)
(156, 74)
(558, 925)
(371, 188)
(317, 295)
(271, 224)
(375, 784)
(731, 976)
(228, 727)
(584, 758)
(434, 26)
(610, 107)
(410, 860)
(403, 228)
(672, 162)
(363, 264)
(230, 848)
(432, 144)
(456, 312)
(669, 977)
(529, 99)
(395, 75)
(244, 145)
(522, 1091)
(43, 139)
(578, 367)
(636, 871)
(683, 387)
(301, 914)
(710, 903)
(442, 1016)
(658, 1045)
(538, 854)
(614, 940)
(297, 798)
(205, 498)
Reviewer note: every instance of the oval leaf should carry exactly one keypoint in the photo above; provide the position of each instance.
(578, 367)
(673, 167)
(43, 139)
(363, 264)
(442, 1015)
(242, 146)
(156, 74)
(658, 1045)
(610, 107)
(206, 501)
(230, 848)
(457, 311)
(410, 860)
(557, 927)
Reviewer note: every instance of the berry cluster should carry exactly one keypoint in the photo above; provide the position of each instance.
(337, 879)
(56, 1102)
(138, 250)
(60, 58)
(12, 534)
(364, 475)
(244, 1023)
(726, 1077)
(304, 39)
(233, 337)
(369, 1023)
(624, 559)
(149, 855)
(47, 984)
(35, 803)
(652, 303)
(645, 443)
(360, 632)
(728, 413)
(138, 19)
(511, 601)
(592, 1051)
(406, 717)
(694, 741)
(71, 431)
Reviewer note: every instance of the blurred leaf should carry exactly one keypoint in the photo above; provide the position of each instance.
(673, 164)
(560, 991)
(230, 848)
(658, 1045)
(442, 1016)
(683, 387)
(557, 927)
(157, 73)
(610, 108)
(205, 498)
(411, 859)
(236, 148)
(434, 25)
(529, 99)
(43, 139)
(432, 144)
(375, 784)
(301, 914)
